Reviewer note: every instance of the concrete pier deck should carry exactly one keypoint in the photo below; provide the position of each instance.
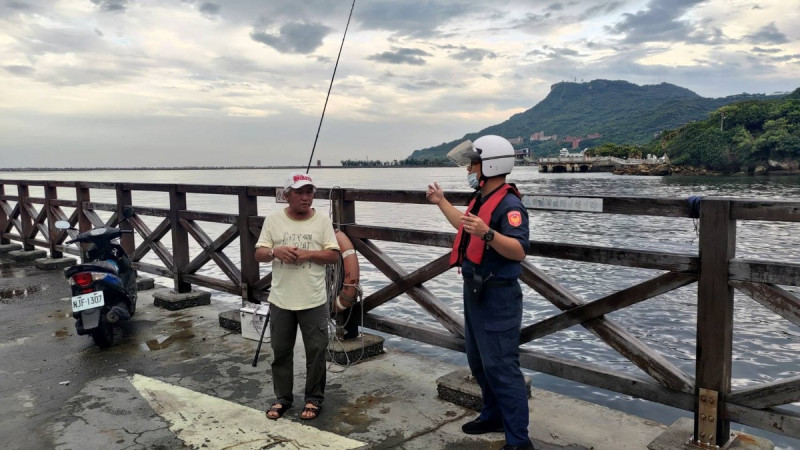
(176, 379)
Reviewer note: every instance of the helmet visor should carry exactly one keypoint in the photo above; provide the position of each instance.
(463, 154)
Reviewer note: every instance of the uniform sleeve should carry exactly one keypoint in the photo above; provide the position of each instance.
(329, 241)
(265, 238)
(514, 222)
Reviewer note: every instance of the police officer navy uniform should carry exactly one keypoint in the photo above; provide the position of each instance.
(492, 240)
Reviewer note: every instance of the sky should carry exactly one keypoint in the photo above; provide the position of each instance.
(166, 83)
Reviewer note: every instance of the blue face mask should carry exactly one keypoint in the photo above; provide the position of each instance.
(473, 181)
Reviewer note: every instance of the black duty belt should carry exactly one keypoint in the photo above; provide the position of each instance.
(491, 282)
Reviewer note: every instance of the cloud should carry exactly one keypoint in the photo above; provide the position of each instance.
(211, 9)
(411, 19)
(473, 54)
(111, 5)
(22, 71)
(768, 34)
(411, 56)
(301, 38)
(660, 22)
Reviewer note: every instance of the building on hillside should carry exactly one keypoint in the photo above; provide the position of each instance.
(516, 140)
(540, 136)
(594, 136)
(576, 141)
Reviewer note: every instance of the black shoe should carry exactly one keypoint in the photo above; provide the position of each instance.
(479, 426)
(528, 446)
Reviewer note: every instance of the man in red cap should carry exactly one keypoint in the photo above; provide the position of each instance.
(299, 242)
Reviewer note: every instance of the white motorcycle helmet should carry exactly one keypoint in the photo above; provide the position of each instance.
(497, 155)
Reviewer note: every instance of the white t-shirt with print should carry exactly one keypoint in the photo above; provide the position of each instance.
(297, 286)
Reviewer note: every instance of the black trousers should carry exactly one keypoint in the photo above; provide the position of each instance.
(313, 324)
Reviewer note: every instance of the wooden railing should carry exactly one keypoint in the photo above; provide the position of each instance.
(716, 270)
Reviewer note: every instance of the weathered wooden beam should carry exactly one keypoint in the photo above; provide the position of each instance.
(25, 216)
(605, 378)
(95, 206)
(647, 259)
(51, 193)
(203, 216)
(435, 307)
(155, 212)
(581, 372)
(213, 283)
(767, 395)
(264, 283)
(776, 420)
(248, 207)
(403, 235)
(781, 211)
(152, 268)
(774, 298)
(419, 276)
(787, 274)
(611, 333)
(61, 202)
(180, 240)
(608, 304)
(125, 200)
(94, 220)
(714, 316)
(417, 332)
(150, 240)
(213, 250)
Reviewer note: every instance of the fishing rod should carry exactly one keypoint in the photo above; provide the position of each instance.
(310, 158)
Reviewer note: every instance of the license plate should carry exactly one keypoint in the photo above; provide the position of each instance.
(87, 301)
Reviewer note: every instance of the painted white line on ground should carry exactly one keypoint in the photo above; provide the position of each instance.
(201, 420)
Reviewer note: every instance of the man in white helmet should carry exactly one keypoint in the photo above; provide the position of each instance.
(492, 240)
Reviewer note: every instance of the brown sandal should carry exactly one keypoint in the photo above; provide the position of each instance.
(278, 408)
(314, 409)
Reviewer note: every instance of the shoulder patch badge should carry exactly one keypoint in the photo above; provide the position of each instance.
(514, 218)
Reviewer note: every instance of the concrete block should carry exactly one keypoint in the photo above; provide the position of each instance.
(54, 263)
(26, 255)
(5, 248)
(144, 283)
(231, 320)
(351, 351)
(460, 387)
(679, 434)
(173, 301)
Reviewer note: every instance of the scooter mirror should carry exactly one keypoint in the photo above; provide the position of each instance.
(127, 212)
(62, 225)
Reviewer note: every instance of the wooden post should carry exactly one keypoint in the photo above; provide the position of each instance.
(50, 194)
(714, 322)
(24, 217)
(83, 196)
(124, 198)
(248, 207)
(4, 219)
(180, 239)
(344, 213)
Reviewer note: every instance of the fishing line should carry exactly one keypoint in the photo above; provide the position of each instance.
(310, 158)
(334, 281)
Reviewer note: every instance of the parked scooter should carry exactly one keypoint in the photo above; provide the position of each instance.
(104, 285)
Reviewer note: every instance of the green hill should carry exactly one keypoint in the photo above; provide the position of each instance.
(741, 136)
(621, 112)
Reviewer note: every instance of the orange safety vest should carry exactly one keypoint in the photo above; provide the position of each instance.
(475, 247)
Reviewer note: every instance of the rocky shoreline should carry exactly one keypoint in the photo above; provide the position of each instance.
(668, 169)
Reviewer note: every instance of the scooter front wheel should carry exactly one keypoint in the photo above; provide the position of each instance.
(103, 335)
